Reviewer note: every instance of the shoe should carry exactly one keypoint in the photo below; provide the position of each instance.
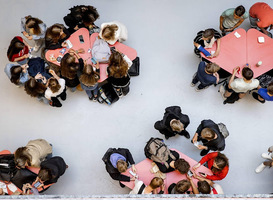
(91, 98)
(204, 152)
(267, 156)
(95, 98)
(121, 185)
(222, 91)
(186, 134)
(192, 84)
(260, 168)
(119, 93)
(255, 96)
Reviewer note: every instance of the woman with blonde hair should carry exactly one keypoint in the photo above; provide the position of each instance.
(117, 70)
(33, 29)
(55, 36)
(89, 81)
(141, 188)
(114, 31)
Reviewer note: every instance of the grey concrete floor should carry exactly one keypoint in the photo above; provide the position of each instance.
(81, 131)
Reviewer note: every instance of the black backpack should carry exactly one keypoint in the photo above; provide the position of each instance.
(7, 167)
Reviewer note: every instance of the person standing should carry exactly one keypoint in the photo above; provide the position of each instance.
(268, 162)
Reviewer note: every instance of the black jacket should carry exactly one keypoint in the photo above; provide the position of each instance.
(113, 172)
(57, 167)
(174, 112)
(49, 44)
(217, 144)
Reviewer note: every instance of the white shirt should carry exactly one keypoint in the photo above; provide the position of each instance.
(49, 93)
(218, 189)
(240, 86)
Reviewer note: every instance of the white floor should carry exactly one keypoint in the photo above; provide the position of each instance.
(81, 131)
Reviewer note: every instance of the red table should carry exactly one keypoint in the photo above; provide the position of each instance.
(144, 174)
(245, 49)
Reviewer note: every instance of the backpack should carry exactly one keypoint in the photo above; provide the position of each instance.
(223, 130)
(101, 50)
(7, 167)
(157, 151)
(265, 80)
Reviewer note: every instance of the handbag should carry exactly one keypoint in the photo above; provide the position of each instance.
(134, 69)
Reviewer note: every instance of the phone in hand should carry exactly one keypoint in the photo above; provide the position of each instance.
(37, 184)
(112, 49)
(190, 173)
(203, 174)
(81, 39)
(94, 60)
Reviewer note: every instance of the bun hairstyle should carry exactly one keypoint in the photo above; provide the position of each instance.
(15, 47)
(89, 77)
(32, 22)
(15, 72)
(118, 67)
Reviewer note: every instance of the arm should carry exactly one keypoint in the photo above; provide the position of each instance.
(54, 74)
(120, 177)
(194, 139)
(26, 44)
(264, 30)
(238, 24)
(221, 23)
(129, 157)
(217, 48)
(217, 77)
(193, 186)
(235, 70)
(20, 58)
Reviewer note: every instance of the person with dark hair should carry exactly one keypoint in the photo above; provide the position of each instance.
(51, 170)
(240, 85)
(264, 94)
(33, 29)
(18, 74)
(206, 75)
(173, 122)
(269, 160)
(82, 16)
(217, 163)
(32, 154)
(183, 186)
(55, 36)
(18, 50)
(36, 89)
(141, 188)
(70, 68)
(114, 31)
(212, 139)
(55, 88)
(89, 80)
(261, 16)
(117, 70)
(206, 39)
(232, 18)
(116, 162)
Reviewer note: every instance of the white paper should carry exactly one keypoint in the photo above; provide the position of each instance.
(261, 39)
(237, 34)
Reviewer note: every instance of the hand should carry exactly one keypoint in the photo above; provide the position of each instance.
(26, 55)
(196, 44)
(215, 74)
(51, 71)
(81, 50)
(38, 76)
(235, 70)
(132, 178)
(203, 174)
(25, 34)
(196, 166)
(201, 147)
(71, 51)
(162, 187)
(188, 177)
(134, 169)
(194, 139)
(194, 174)
(64, 44)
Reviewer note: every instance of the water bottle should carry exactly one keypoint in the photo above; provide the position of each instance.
(102, 94)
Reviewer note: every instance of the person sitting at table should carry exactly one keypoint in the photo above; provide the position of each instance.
(179, 164)
(269, 160)
(232, 18)
(89, 81)
(55, 36)
(70, 68)
(81, 16)
(206, 75)
(141, 188)
(173, 122)
(206, 186)
(33, 29)
(264, 94)
(261, 16)
(32, 154)
(18, 74)
(217, 163)
(183, 186)
(36, 89)
(51, 170)
(240, 85)
(18, 50)
(114, 31)
(55, 88)
(206, 39)
(209, 133)
(116, 162)
(117, 70)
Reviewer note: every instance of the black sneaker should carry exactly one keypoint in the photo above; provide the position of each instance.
(204, 152)
(119, 93)
(91, 98)
(95, 98)
(255, 96)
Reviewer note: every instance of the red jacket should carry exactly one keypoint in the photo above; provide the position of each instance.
(24, 51)
(209, 158)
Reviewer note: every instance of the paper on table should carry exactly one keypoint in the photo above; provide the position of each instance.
(261, 39)
(237, 34)
(212, 52)
(69, 44)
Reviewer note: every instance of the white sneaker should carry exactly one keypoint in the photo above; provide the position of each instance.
(267, 156)
(222, 91)
(260, 168)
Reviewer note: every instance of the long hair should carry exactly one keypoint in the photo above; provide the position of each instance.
(53, 33)
(21, 157)
(15, 72)
(222, 161)
(32, 22)
(34, 88)
(90, 15)
(54, 85)
(69, 67)
(89, 77)
(15, 47)
(108, 32)
(118, 67)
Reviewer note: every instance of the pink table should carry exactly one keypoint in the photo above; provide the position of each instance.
(130, 52)
(74, 39)
(144, 174)
(245, 49)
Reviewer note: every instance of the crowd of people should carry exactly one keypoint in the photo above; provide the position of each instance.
(48, 82)
(36, 154)
(209, 73)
